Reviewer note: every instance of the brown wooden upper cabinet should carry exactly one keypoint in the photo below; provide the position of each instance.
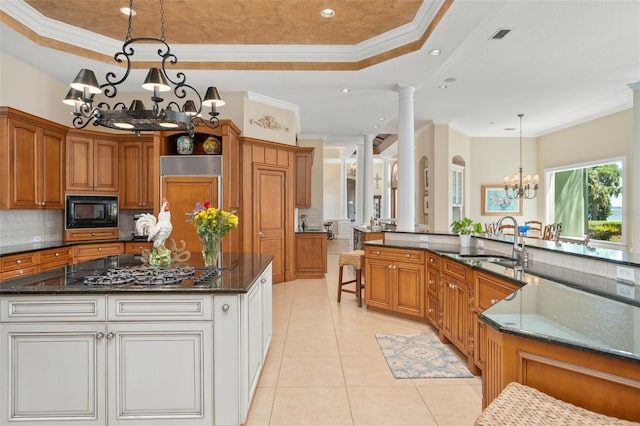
(304, 161)
(31, 163)
(135, 160)
(92, 162)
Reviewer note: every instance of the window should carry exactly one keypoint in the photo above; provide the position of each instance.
(587, 198)
(457, 191)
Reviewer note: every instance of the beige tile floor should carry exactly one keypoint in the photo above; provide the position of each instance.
(324, 366)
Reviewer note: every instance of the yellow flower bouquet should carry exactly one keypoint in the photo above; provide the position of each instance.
(211, 225)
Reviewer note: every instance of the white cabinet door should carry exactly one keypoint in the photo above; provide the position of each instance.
(52, 374)
(160, 374)
(254, 341)
(267, 310)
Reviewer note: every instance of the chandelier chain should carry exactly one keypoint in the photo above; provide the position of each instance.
(128, 37)
(161, 20)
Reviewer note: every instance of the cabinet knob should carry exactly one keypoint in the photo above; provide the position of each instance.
(93, 234)
(99, 248)
(57, 254)
(20, 272)
(99, 336)
(19, 261)
(111, 335)
(494, 301)
(377, 251)
(431, 260)
(225, 307)
(261, 234)
(430, 310)
(431, 281)
(408, 255)
(263, 280)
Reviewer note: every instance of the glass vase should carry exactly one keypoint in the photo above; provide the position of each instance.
(210, 245)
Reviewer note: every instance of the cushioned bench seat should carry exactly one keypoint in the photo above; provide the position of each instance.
(522, 405)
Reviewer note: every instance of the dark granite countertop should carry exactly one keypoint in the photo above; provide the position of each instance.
(554, 304)
(237, 277)
(312, 231)
(25, 248)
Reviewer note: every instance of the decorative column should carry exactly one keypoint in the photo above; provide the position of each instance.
(633, 185)
(367, 179)
(359, 185)
(406, 166)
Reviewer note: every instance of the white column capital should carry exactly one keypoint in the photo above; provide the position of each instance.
(634, 86)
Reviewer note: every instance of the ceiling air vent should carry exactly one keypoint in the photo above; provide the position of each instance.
(500, 34)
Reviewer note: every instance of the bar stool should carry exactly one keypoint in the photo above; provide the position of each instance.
(356, 259)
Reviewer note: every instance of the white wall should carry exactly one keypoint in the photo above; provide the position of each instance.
(332, 194)
(424, 138)
(602, 138)
(493, 158)
(25, 88)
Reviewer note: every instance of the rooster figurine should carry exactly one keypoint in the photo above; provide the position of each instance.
(158, 231)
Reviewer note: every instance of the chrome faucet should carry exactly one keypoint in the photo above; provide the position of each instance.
(587, 238)
(519, 250)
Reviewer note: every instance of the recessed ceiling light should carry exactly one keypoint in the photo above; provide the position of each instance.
(346, 90)
(328, 13)
(435, 52)
(375, 126)
(443, 86)
(381, 118)
(127, 11)
(450, 80)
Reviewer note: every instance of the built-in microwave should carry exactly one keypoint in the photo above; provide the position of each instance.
(91, 211)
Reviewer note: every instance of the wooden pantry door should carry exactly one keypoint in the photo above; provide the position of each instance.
(269, 218)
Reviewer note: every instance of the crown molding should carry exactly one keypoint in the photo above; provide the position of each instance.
(393, 39)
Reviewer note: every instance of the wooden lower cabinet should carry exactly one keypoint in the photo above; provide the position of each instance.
(311, 255)
(136, 247)
(433, 290)
(489, 290)
(95, 251)
(18, 265)
(56, 258)
(394, 281)
(600, 383)
(456, 306)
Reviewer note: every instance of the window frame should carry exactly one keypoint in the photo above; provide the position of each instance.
(549, 200)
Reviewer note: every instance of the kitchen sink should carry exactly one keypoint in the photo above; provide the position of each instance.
(488, 258)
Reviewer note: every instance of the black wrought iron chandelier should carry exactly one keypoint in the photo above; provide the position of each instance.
(518, 186)
(136, 117)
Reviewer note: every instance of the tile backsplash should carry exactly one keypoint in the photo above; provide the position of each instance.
(30, 226)
(19, 227)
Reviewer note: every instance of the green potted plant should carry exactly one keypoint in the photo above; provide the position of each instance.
(466, 227)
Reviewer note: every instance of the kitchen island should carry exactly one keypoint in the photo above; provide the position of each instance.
(78, 346)
(561, 323)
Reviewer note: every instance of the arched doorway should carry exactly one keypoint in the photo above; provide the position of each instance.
(394, 190)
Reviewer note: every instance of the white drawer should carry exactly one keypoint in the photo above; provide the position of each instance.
(159, 308)
(52, 308)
